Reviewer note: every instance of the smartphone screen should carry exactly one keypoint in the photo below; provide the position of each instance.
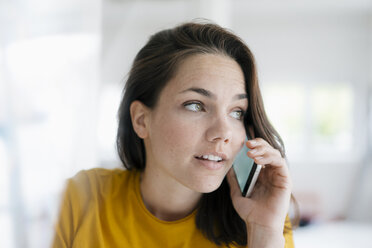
(246, 171)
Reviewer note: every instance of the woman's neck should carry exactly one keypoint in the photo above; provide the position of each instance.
(166, 198)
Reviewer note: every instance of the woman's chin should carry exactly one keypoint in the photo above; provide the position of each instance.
(208, 187)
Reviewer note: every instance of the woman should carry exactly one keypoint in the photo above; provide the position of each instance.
(190, 96)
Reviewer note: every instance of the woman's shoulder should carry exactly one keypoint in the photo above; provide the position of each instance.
(99, 182)
(87, 194)
(102, 175)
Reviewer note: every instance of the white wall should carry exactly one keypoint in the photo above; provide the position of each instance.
(363, 183)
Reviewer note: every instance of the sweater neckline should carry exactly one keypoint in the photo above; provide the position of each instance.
(137, 178)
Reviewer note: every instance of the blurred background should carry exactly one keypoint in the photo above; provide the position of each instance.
(62, 71)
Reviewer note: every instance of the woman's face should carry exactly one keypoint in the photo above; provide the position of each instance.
(196, 127)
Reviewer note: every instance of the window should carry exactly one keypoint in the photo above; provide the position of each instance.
(314, 120)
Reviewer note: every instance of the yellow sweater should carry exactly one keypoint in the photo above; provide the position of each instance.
(104, 208)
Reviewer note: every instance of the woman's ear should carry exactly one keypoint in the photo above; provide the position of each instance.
(139, 115)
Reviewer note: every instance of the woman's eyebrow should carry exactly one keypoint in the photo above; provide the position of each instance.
(200, 91)
(209, 94)
(241, 96)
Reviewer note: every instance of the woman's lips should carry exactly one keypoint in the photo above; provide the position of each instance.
(209, 164)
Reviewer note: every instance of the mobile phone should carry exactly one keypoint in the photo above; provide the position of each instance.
(246, 171)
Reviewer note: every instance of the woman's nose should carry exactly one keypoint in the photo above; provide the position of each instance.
(219, 130)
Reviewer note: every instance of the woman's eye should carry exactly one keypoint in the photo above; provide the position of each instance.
(238, 114)
(194, 106)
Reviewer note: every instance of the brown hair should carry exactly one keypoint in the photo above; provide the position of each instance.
(153, 67)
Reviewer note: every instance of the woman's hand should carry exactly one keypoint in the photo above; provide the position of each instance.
(269, 202)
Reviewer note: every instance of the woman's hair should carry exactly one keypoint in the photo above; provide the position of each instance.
(154, 65)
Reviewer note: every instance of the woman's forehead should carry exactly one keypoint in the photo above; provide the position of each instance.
(208, 70)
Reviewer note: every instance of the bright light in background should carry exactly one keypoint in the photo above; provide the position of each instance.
(314, 120)
(50, 56)
(6, 224)
(53, 100)
(52, 76)
(107, 124)
(332, 108)
(285, 105)
(49, 76)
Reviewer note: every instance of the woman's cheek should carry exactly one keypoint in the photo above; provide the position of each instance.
(239, 136)
(178, 131)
